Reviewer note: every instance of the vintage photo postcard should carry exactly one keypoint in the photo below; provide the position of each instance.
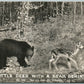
(41, 42)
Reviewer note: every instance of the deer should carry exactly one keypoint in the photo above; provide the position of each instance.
(60, 52)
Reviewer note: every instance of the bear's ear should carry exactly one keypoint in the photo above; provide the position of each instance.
(32, 47)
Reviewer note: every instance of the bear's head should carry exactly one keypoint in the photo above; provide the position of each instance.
(29, 53)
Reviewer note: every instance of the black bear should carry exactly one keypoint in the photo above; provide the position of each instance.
(20, 49)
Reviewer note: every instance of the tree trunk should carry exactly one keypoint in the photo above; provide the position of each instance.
(74, 11)
(57, 8)
(3, 15)
(10, 12)
(81, 9)
(62, 8)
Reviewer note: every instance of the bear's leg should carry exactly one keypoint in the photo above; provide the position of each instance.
(22, 62)
(3, 61)
(1, 64)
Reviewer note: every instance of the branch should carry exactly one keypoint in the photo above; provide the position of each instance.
(1, 30)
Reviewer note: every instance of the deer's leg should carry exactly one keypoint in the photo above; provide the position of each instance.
(69, 65)
(72, 61)
(76, 66)
(50, 61)
(49, 65)
(55, 63)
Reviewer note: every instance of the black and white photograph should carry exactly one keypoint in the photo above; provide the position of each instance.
(41, 42)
